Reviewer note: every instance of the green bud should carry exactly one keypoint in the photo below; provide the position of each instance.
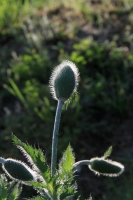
(18, 170)
(64, 80)
(106, 167)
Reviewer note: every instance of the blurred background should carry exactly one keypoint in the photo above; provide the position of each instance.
(97, 35)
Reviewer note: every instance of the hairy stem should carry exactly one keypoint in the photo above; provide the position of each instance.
(82, 162)
(2, 160)
(55, 137)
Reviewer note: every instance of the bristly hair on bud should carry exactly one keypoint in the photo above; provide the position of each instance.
(106, 167)
(64, 80)
(18, 170)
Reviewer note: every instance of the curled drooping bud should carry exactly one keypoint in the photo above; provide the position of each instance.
(106, 167)
(18, 170)
(64, 80)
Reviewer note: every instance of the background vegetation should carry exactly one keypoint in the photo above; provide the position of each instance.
(97, 35)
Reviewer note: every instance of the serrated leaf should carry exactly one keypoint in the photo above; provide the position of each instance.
(50, 189)
(42, 187)
(66, 163)
(14, 191)
(108, 152)
(67, 192)
(53, 186)
(38, 185)
(72, 98)
(3, 188)
(35, 157)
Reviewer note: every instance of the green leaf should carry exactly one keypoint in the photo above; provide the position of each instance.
(66, 163)
(107, 153)
(49, 190)
(67, 192)
(3, 188)
(38, 185)
(15, 90)
(72, 98)
(67, 187)
(42, 188)
(14, 191)
(9, 190)
(35, 157)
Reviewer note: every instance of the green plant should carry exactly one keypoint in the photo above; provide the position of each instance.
(11, 13)
(29, 72)
(9, 190)
(55, 183)
(104, 66)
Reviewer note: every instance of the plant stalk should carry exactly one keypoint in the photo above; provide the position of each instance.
(82, 162)
(2, 160)
(55, 137)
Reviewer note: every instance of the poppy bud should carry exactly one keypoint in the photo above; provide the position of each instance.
(18, 170)
(106, 167)
(64, 80)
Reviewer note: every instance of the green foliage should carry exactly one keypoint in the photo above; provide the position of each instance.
(107, 153)
(62, 184)
(31, 66)
(9, 12)
(31, 71)
(59, 186)
(14, 90)
(3, 189)
(35, 158)
(14, 191)
(9, 190)
(67, 162)
(104, 67)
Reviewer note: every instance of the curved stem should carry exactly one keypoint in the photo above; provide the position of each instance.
(82, 162)
(2, 160)
(55, 137)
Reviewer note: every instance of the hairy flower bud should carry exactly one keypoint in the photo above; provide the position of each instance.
(106, 167)
(64, 80)
(18, 170)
